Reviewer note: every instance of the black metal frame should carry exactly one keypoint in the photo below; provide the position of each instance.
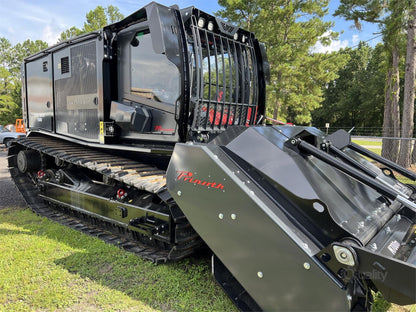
(363, 177)
(241, 106)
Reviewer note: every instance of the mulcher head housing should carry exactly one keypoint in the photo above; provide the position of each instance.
(302, 220)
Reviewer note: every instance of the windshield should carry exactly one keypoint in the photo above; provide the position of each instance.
(151, 75)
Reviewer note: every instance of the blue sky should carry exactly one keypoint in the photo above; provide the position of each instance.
(46, 19)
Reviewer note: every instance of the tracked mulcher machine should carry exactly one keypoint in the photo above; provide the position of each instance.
(152, 130)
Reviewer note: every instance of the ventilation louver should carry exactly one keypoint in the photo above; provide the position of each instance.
(65, 65)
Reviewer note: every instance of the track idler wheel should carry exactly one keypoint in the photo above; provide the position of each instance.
(29, 160)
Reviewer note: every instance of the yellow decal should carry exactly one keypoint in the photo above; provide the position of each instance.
(102, 132)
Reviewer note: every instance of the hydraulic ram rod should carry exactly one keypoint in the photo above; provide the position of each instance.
(386, 162)
(352, 161)
(356, 174)
(363, 168)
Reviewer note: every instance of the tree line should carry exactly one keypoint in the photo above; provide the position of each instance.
(362, 86)
(356, 97)
(397, 21)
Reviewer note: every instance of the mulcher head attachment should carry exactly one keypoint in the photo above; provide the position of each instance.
(302, 221)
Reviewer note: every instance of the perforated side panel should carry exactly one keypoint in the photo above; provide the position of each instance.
(76, 94)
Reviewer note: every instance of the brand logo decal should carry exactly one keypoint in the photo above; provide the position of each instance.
(187, 176)
(159, 128)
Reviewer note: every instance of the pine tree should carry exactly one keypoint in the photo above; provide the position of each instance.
(290, 28)
(409, 91)
(95, 20)
(375, 11)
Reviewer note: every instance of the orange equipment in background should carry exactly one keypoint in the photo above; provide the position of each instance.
(20, 126)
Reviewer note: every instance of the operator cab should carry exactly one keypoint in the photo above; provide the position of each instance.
(158, 77)
(184, 75)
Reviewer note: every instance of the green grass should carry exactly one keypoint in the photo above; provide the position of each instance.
(367, 143)
(48, 267)
(375, 147)
(375, 150)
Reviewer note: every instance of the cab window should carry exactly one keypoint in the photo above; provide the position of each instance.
(153, 76)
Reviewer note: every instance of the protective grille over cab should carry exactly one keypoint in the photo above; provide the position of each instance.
(224, 78)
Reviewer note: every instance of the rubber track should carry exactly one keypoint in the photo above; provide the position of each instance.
(141, 176)
(30, 194)
(115, 170)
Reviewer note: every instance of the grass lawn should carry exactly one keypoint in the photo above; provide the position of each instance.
(367, 143)
(45, 266)
(48, 267)
(375, 147)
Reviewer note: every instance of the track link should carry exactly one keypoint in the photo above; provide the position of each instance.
(133, 173)
(141, 176)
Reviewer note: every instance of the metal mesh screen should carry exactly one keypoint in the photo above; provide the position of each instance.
(224, 80)
(76, 96)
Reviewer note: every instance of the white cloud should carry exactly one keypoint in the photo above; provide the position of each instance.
(335, 45)
(51, 33)
(45, 20)
(355, 39)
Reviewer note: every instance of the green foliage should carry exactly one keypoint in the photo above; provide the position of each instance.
(358, 11)
(290, 29)
(5, 48)
(47, 267)
(69, 33)
(380, 304)
(95, 20)
(373, 83)
(9, 109)
(393, 17)
(113, 14)
(23, 50)
(241, 12)
(356, 97)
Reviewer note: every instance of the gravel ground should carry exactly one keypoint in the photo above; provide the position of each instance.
(9, 194)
